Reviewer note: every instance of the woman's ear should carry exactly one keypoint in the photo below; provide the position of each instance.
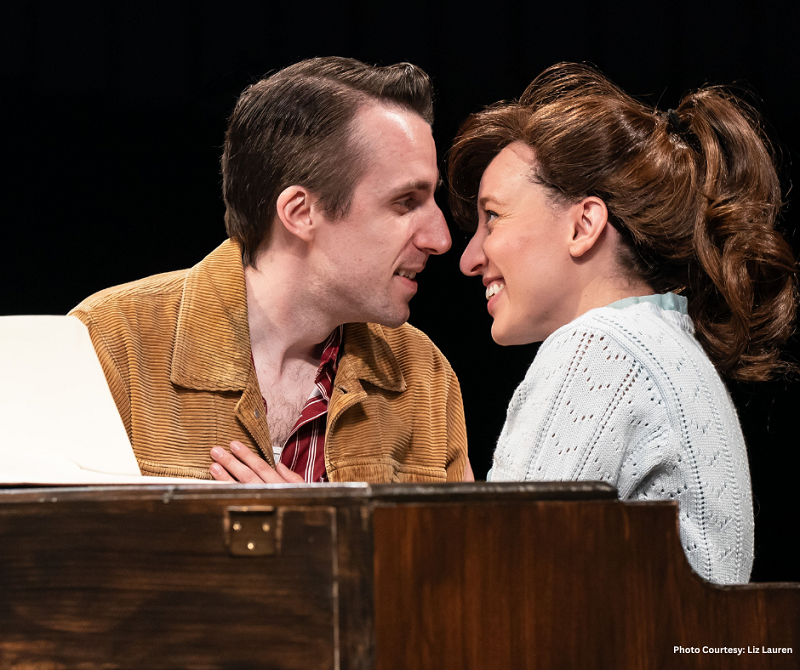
(294, 209)
(589, 219)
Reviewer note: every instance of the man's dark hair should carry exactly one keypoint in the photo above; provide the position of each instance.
(296, 127)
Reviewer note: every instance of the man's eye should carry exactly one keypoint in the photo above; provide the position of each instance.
(407, 203)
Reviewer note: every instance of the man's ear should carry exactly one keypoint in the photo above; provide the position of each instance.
(589, 219)
(295, 212)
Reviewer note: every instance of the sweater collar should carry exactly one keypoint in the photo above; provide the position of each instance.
(671, 302)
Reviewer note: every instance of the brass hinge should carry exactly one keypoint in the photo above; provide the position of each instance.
(252, 531)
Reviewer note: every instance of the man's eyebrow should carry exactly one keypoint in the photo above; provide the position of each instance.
(420, 185)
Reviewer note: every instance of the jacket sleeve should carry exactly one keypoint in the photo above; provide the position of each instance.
(456, 430)
(111, 367)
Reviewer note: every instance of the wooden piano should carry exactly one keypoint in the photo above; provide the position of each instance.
(361, 577)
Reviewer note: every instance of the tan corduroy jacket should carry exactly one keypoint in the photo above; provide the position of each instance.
(175, 349)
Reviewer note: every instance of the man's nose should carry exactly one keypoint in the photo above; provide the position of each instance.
(473, 260)
(434, 236)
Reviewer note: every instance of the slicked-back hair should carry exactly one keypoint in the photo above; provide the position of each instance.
(694, 193)
(296, 127)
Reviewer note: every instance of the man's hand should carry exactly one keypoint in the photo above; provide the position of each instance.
(468, 474)
(242, 465)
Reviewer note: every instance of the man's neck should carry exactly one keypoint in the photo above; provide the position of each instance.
(286, 324)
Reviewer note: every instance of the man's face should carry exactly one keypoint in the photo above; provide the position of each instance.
(371, 256)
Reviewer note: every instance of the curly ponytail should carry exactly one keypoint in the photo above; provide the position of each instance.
(742, 296)
(694, 194)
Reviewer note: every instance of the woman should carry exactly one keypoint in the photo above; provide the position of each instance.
(640, 246)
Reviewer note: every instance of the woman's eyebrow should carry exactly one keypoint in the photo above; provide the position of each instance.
(489, 199)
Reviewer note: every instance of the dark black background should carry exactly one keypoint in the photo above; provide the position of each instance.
(113, 115)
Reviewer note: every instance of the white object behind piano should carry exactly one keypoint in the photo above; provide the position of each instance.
(58, 421)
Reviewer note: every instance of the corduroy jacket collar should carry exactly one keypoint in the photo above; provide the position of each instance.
(215, 300)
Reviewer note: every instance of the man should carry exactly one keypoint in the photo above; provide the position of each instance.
(288, 342)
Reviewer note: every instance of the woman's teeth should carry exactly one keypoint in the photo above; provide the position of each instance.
(494, 289)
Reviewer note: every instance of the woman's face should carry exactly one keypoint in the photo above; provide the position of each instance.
(521, 249)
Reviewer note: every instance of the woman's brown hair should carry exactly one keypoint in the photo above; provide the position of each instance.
(694, 193)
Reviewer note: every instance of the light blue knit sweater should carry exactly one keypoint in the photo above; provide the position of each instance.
(625, 394)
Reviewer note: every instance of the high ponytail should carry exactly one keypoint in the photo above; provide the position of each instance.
(693, 192)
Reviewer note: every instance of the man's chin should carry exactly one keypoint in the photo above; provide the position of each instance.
(393, 323)
(394, 320)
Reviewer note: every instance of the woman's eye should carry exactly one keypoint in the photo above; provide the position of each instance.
(490, 217)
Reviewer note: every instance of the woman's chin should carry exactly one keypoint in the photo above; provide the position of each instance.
(508, 337)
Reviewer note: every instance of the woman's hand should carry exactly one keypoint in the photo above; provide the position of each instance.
(243, 466)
